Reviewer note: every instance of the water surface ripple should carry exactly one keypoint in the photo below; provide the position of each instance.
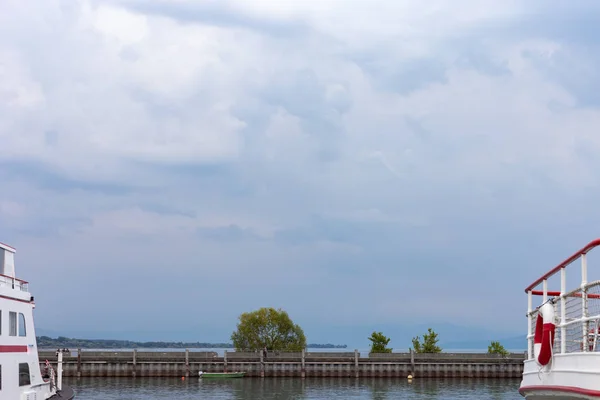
(293, 389)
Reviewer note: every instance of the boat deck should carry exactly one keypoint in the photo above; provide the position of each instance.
(563, 338)
(67, 393)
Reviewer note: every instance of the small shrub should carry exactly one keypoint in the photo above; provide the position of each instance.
(429, 344)
(497, 348)
(379, 343)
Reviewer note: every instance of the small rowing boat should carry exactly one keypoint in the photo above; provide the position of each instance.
(221, 374)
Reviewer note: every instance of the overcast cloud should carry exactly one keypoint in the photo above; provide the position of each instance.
(356, 163)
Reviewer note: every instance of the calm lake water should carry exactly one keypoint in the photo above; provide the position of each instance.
(293, 388)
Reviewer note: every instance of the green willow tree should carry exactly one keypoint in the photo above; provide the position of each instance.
(379, 343)
(429, 344)
(270, 328)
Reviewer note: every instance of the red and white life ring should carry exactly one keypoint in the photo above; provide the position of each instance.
(591, 334)
(543, 341)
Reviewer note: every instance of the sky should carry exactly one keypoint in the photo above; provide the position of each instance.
(168, 165)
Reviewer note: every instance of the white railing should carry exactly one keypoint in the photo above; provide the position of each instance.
(14, 283)
(578, 310)
(577, 321)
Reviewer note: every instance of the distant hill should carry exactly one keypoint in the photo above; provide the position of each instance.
(515, 343)
(452, 336)
(71, 343)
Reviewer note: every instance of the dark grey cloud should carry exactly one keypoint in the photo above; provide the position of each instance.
(47, 227)
(47, 177)
(558, 20)
(573, 28)
(476, 57)
(565, 67)
(403, 76)
(164, 209)
(219, 14)
(230, 233)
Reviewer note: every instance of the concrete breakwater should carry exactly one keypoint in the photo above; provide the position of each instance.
(302, 364)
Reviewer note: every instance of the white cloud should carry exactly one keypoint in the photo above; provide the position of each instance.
(124, 70)
(126, 27)
(148, 88)
(343, 128)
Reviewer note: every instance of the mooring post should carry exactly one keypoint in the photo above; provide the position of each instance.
(134, 373)
(262, 365)
(356, 371)
(412, 362)
(303, 370)
(60, 370)
(225, 361)
(187, 363)
(79, 363)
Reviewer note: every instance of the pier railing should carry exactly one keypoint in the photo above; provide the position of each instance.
(272, 356)
(291, 364)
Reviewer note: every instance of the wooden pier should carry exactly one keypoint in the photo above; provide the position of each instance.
(302, 364)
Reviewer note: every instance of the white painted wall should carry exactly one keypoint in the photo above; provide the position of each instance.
(7, 262)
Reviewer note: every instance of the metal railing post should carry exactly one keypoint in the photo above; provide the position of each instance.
(563, 310)
(529, 333)
(584, 311)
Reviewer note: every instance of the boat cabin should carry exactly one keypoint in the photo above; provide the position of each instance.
(20, 372)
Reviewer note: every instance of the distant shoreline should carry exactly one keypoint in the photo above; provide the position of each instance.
(72, 343)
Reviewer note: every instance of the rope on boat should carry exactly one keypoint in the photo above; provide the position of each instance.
(549, 365)
(50, 369)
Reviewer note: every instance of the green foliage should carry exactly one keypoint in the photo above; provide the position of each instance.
(379, 343)
(270, 328)
(497, 348)
(429, 344)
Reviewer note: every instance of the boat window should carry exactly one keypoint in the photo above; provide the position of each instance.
(12, 323)
(24, 378)
(22, 329)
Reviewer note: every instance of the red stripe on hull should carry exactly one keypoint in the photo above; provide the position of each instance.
(13, 349)
(532, 390)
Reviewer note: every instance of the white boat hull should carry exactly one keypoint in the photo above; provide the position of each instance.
(568, 376)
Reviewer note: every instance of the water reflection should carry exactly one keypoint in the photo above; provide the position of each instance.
(294, 389)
